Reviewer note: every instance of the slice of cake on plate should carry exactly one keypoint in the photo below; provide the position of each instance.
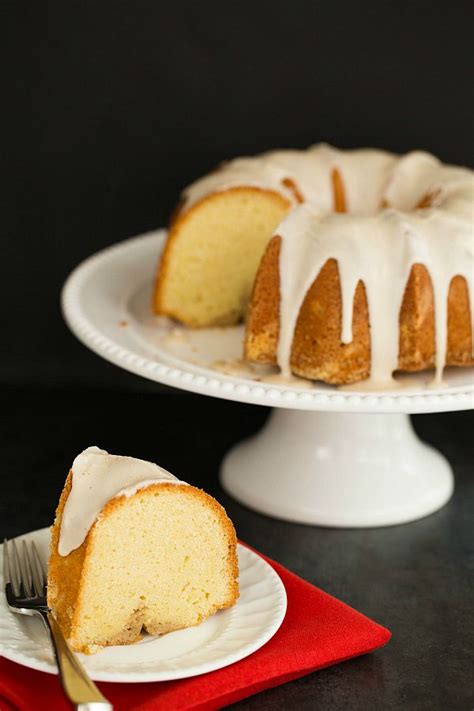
(134, 548)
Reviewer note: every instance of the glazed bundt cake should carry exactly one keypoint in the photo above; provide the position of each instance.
(132, 549)
(368, 271)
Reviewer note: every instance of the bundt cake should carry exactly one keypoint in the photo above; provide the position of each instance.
(132, 549)
(369, 269)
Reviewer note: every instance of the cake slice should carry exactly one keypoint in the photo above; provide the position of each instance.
(133, 548)
(213, 249)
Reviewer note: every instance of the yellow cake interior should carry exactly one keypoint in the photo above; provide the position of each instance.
(212, 255)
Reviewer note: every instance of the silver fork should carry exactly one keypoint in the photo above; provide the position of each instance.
(25, 590)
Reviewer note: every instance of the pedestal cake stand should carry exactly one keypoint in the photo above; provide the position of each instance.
(326, 456)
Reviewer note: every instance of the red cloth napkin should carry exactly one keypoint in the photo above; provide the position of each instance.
(318, 631)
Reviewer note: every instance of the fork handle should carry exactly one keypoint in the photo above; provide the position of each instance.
(77, 685)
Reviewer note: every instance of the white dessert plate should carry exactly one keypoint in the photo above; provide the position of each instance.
(224, 638)
(106, 302)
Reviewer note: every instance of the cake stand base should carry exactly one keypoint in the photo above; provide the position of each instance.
(338, 470)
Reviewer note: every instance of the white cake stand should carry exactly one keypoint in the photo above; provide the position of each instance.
(326, 456)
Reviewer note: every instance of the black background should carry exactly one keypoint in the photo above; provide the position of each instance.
(111, 107)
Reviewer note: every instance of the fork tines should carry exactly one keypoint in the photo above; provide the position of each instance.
(23, 570)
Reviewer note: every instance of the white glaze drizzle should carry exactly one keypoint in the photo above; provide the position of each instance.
(98, 477)
(380, 250)
(308, 169)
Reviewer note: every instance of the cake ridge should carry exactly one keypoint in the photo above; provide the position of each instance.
(368, 249)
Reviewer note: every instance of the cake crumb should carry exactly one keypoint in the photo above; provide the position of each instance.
(176, 337)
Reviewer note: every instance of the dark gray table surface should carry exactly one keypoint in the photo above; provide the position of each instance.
(416, 579)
